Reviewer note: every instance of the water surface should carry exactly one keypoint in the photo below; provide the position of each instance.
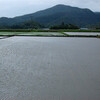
(49, 68)
(83, 33)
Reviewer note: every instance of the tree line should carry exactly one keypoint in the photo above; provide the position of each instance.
(64, 26)
(24, 25)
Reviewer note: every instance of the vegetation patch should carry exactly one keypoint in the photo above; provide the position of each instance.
(64, 26)
(31, 34)
(51, 30)
(45, 34)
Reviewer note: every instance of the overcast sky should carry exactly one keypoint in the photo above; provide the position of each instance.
(11, 8)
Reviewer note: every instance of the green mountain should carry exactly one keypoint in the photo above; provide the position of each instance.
(97, 14)
(56, 15)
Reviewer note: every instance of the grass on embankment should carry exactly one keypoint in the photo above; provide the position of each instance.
(41, 30)
(78, 30)
(48, 33)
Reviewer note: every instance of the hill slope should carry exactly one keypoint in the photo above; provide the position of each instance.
(56, 15)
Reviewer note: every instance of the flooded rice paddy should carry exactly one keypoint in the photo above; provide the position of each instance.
(49, 68)
(82, 33)
(32, 33)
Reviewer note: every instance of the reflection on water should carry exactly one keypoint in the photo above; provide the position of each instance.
(49, 68)
(82, 33)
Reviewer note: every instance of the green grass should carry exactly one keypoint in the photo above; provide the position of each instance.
(44, 34)
(27, 30)
(31, 34)
(40, 30)
(41, 34)
(78, 30)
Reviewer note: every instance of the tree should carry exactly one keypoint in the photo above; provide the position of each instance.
(64, 26)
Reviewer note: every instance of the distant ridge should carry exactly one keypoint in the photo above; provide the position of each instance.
(56, 15)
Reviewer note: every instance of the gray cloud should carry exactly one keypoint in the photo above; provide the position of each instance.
(13, 8)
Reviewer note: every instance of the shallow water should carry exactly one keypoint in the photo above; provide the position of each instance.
(42, 33)
(49, 68)
(83, 33)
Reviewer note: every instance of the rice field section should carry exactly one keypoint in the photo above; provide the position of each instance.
(49, 68)
(31, 34)
(83, 33)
